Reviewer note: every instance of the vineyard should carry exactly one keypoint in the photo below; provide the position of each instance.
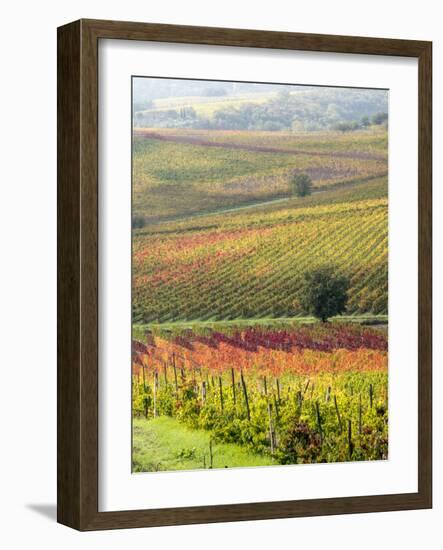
(365, 145)
(176, 179)
(250, 264)
(227, 369)
(305, 395)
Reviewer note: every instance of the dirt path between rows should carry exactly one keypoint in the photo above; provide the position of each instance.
(257, 148)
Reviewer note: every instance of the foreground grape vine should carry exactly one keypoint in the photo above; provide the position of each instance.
(305, 395)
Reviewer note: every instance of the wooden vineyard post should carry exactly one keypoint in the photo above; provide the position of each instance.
(265, 385)
(220, 387)
(144, 377)
(299, 403)
(350, 444)
(155, 392)
(371, 395)
(211, 455)
(277, 385)
(271, 429)
(165, 370)
(328, 394)
(203, 392)
(175, 372)
(233, 386)
(320, 429)
(340, 427)
(245, 394)
(359, 414)
(277, 412)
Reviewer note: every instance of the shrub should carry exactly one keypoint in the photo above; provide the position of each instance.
(323, 293)
(138, 222)
(301, 185)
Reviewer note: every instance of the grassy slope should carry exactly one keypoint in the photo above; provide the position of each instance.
(165, 444)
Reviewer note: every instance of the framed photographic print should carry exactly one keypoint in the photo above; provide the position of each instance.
(244, 275)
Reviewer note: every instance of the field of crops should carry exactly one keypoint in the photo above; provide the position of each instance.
(370, 143)
(227, 369)
(206, 106)
(174, 179)
(304, 395)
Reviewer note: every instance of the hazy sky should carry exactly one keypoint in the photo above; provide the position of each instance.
(155, 88)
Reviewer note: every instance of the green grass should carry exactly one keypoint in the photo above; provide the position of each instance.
(164, 444)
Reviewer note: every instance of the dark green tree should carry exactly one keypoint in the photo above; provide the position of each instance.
(138, 222)
(380, 118)
(323, 293)
(301, 185)
(347, 126)
(365, 121)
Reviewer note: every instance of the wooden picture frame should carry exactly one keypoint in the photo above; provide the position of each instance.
(78, 274)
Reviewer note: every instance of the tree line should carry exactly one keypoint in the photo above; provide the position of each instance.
(343, 110)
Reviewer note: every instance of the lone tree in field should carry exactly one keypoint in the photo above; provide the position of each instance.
(323, 293)
(301, 185)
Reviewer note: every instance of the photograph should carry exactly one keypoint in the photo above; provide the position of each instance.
(259, 274)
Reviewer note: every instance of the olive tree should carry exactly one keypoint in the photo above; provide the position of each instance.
(323, 293)
(301, 185)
